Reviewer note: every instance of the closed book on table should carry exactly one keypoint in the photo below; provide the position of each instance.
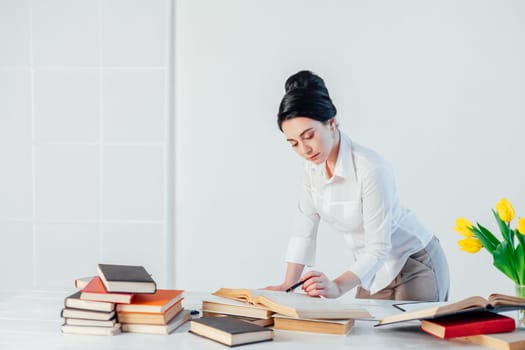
(501, 341)
(471, 323)
(176, 322)
(160, 301)
(265, 322)
(87, 314)
(222, 305)
(312, 325)
(74, 301)
(96, 291)
(149, 317)
(91, 330)
(126, 278)
(87, 322)
(229, 330)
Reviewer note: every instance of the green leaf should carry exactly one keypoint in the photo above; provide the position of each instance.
(489, 241)
(502, 227)
(520, 257)
(504, 261)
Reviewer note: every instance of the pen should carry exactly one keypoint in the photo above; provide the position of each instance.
(295, 286)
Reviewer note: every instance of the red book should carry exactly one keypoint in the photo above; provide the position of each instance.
(95, 290)
(468, 323)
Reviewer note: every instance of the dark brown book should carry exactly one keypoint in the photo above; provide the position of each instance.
(229, 330)
(126, 278)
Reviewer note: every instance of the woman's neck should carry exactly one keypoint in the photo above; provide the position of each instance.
(332, 157)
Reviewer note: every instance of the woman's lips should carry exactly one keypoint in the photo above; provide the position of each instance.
(314, 156)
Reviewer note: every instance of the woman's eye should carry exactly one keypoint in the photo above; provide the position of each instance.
(294, 144)
(308, 136)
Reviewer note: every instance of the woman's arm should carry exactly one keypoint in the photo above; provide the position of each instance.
(293, 272)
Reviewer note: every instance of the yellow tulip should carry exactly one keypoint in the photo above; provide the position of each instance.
(470, 245)
(505, 210)
(464, 227)
(521, 226)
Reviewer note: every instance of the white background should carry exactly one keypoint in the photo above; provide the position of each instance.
(103, 103)
(436, 87)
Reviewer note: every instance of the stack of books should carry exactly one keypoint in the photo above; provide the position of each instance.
(474, 319)
(89, 317)
(214, 306)
(158, 313)
(287, 311)
(122, 298)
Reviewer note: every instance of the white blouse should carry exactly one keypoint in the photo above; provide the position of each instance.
(360, 200)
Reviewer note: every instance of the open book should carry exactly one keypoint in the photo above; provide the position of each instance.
(295, 304)
(495, 303)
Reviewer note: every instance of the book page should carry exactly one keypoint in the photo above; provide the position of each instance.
(497, 300)
(471, 303)
(301, 305)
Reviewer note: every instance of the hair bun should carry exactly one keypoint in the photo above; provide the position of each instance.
(303, 80)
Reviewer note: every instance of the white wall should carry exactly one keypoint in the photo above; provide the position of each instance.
(437, 87)
(86, 143)
(85, 155)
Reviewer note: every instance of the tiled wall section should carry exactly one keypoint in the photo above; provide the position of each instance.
(84, 112)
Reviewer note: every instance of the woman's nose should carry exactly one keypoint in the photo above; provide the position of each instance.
(306, 148)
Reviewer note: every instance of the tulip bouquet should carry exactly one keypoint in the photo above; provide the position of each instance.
(509, 253)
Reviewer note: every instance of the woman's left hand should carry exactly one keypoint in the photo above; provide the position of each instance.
(317, 284)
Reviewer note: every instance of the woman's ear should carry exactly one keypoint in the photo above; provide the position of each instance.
(332, 124)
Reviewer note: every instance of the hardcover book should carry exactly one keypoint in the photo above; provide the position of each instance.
(87, 314)
(295, 304)
(66, 328)
(312, 325)
(494, 303)
(502, 341)
(87, 322)
(264, 322)
(74, 301)
(96, 291)
(126, 278)
(229, 330)
(233, 307)
(161, 318)
(181, 318)
(470, 323)
(160, 301)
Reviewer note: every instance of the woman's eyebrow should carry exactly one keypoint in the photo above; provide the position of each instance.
(301, 134)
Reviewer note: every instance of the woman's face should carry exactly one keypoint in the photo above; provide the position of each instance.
(311, 139)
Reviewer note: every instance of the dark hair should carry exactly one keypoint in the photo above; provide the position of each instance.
(305, 96)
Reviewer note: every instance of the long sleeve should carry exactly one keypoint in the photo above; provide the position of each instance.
(378, 200)
(302, 242)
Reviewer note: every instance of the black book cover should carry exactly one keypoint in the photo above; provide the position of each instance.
(125, 273)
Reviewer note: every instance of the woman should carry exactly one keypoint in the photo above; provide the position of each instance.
(353, 189)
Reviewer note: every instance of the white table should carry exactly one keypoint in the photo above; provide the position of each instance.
(31, 320)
